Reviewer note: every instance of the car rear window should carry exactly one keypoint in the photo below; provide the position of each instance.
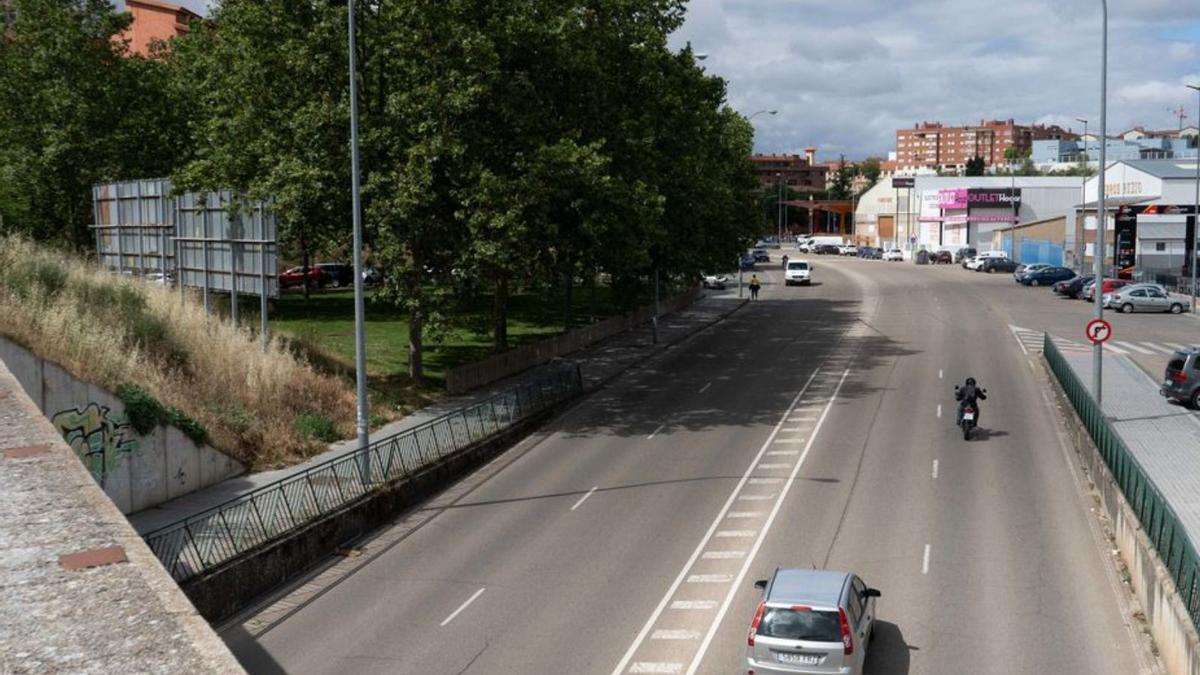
(797, 266)
(1176, 362)
(801, 624)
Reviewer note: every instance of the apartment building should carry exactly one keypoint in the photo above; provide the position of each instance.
(933, 145)
(801, 174)
(155, 20)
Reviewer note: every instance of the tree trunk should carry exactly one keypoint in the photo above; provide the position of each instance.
(592, 295)
(416, 323)
(500, 313)
(569, 287)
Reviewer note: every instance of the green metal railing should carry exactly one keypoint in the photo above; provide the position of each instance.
(203, 541)
(1158, 520)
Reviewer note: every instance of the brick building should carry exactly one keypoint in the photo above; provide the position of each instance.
(933, 145)
(801, 174)
(155, 20)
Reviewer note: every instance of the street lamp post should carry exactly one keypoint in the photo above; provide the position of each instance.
(779, 208)
(360, 340)
(1195, 213)
(1082, 193)
(760, 112)
(1098, 252)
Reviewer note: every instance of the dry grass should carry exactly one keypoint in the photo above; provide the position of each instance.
(111, 330)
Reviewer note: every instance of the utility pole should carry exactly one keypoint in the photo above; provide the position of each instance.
(779, 207)
(1082, 195)
(1098, 257)
(1195, 210)
(360, 338)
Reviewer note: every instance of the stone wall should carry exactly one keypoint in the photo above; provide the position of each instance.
(136, 472)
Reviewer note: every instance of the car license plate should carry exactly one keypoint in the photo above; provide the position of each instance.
(969, 416)
(802, 659)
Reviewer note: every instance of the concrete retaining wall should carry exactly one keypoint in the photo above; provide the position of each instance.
(136, 471)
(1170, 624)
(500, 366)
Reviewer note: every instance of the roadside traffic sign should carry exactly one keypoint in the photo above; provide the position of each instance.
(1098, 331)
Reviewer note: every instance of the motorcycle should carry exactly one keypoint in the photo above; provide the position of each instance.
(970, 416)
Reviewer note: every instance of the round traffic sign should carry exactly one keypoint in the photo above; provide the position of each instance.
(1098, 331)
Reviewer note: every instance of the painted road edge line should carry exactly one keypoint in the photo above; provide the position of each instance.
(925, 561)
(655, 432)
(584, 498)
(463, 606)
(762, 532)
(703, 545)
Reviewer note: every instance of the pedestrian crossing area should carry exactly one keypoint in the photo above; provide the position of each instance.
(1031, 342)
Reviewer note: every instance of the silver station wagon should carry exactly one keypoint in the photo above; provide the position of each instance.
(811, 621)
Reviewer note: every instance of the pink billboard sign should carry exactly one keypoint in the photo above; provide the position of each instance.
(952, 199)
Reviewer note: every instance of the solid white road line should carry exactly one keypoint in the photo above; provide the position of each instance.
(939, 410)
(935, 468)
(1165, 350)
(584, 498)
(704, 388)
(655, 432)
(703, 545)
(1132, 347)
(925, 561)
(693, 604)
(463, 606)
(712, 629)
(656, 667)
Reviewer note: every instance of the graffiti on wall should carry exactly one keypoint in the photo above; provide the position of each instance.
(99, 436)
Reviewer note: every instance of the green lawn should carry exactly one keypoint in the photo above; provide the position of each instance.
(326, 321)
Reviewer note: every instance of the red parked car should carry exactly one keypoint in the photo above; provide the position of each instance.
(1109, 286)
(295, 277)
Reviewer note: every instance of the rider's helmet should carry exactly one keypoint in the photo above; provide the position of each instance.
(971, 381)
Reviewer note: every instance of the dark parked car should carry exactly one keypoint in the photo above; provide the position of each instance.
(761, 255)
(876, 254)
(992, 265)
(941, 258)
(828, 249)
(961, 255)
(747, 262)
(339, 274)
(317, 278)
(1046, 276)
(1072, 287)
(1182, 379)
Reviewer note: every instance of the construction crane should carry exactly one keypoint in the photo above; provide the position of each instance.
(1181, 113)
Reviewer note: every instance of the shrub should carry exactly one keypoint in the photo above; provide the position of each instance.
(316, 426)
(145, 413)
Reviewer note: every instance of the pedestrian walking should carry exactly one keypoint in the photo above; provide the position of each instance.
(754, 286)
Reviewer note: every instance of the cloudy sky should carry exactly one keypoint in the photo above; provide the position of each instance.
(845, 74)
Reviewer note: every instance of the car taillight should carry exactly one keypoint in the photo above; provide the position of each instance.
(847, 638)
(762, 606)
(1179, 376)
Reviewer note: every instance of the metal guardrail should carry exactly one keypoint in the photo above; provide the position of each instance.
(1158, 520)
(200, 542)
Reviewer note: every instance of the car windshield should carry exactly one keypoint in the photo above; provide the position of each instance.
(797, 266)
(801, 624)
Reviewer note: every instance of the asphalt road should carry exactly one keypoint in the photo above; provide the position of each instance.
(813, 427)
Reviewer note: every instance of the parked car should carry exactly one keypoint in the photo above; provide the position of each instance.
(942, 258)
(1089, 290)
(865, 251)
(713, 281)
(962, 254)
(1145, 298)
(876, 254)
(338, 274)
(1047, 276)
(295, 276)
(828, 249)
(1181, 382)
(811, 621)
(1072, 287)
(894, 254)
(849, 249)
(747, 262)
(992, 265)
(797, 272)
(761, 255)
(1022, 270)
(967, 263)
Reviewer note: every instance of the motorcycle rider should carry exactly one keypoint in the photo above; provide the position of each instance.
(969, 395)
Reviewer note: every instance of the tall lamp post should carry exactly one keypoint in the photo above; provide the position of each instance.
(1195, 213)
(779, 208)
(1082, 190)
(360, 340)
(1098, 252)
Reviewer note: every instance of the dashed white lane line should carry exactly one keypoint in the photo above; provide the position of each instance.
(756, 498)
(710, 578)
(925, 561)
(656, 667)
(785, 453)
(939, 410)
(463, 606)
(655, 432)
(703, 544)
(723, 555)
(734, 534)
(935, 469)
(1160, 348)
(774, 466)
(693, 604)
(584, 498)
(789, 440)
(704, 388)
(939, 374)
(1131, 346)
(758, 541)
(744, 514)
(675, 634)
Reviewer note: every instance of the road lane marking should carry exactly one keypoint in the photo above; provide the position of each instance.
(1132, 347)
(791, 430)
(939, 373)
(789, 440)
(774, 466)
(762, 535)
(655, 432)
(803, 419)
(723, 555)
(675, 634)
(925, 561)
(1160, 348)
(791, 453)
(939, 410)
(584, 498)
(704, 388)
(935, 468)
(765, 481)
(756, 498)
(656, 667)
(693, 604)
(703, 545)
(463, 606)
(710, 578)
(744, 514)
(730, 534)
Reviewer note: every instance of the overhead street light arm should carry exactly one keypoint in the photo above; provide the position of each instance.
(760, 112)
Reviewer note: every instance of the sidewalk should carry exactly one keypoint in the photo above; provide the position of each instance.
(1164, 437)
(598, 364)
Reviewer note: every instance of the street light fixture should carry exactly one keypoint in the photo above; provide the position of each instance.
(1195, 212)
(1098, 257)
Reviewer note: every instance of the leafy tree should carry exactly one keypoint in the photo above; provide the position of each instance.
(76, 108)
(869, 168)
(975, 167)
(840, 187)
